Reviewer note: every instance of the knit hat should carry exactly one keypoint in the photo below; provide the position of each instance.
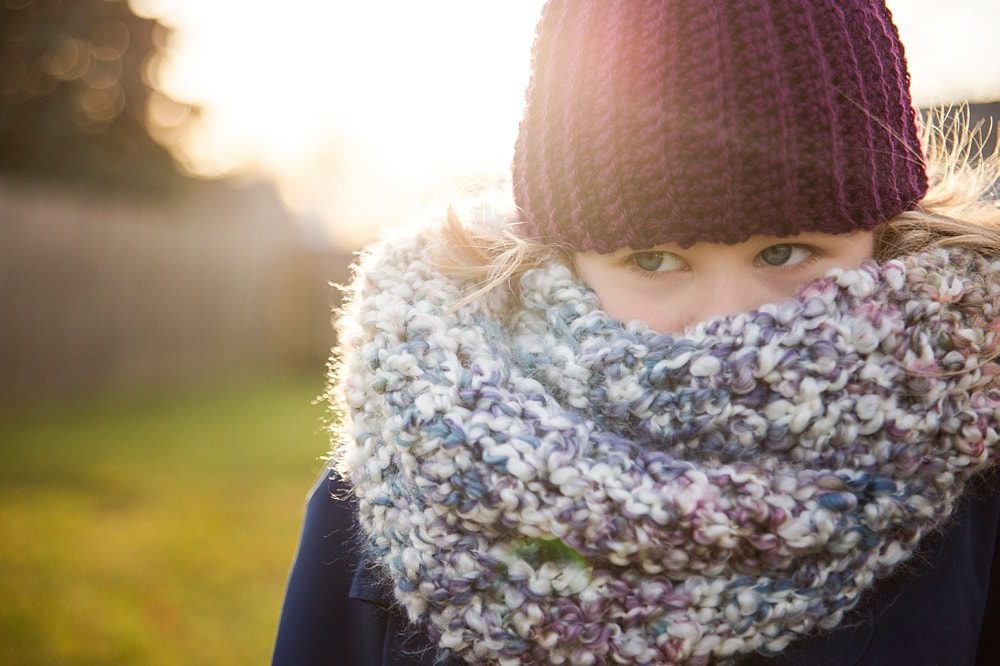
(656, 121)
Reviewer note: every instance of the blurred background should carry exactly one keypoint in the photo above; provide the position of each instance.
(180, 182)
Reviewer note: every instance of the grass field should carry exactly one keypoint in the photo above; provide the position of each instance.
(154, 531)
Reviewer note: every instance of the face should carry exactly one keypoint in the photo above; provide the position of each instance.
(670, 288)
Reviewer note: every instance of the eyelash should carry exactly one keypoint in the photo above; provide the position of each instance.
(811, 259)
(635, 270)
(654, 275)
(630, 263)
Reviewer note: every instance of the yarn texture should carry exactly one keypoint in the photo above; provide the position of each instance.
(685, 121)
(558, 486)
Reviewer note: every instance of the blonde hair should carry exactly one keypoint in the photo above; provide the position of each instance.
(960, 209)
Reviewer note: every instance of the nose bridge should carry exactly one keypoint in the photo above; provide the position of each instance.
(721, 293)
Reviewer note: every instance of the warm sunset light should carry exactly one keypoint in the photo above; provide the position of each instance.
(210, 391)
(362, 111)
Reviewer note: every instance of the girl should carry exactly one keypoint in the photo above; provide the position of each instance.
(723, 389)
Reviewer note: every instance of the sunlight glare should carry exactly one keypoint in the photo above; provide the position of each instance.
(378, 102)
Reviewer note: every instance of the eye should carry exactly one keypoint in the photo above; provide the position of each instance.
(784, 255)
(656, 262)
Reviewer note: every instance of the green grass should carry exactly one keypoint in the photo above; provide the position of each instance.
(154, 531)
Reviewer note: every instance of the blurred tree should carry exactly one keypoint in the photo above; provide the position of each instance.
(76, 78)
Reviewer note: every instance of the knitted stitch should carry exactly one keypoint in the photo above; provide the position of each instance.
(656, 121)
(562, 487)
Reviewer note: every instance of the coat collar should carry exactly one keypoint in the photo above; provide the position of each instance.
(367, 586)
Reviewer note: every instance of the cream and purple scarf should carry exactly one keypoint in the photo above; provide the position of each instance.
(556, 486)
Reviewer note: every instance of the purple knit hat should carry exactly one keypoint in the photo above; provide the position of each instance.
(655, 121)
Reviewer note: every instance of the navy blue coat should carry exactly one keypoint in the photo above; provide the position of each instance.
(942, 609)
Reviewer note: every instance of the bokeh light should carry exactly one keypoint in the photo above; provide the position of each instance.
(360, 109)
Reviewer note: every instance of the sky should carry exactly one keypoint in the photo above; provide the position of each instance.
(363, 112)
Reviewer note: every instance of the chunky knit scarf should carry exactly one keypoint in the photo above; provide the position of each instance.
(556, 486)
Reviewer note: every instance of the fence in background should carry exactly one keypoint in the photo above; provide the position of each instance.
(101, 294)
